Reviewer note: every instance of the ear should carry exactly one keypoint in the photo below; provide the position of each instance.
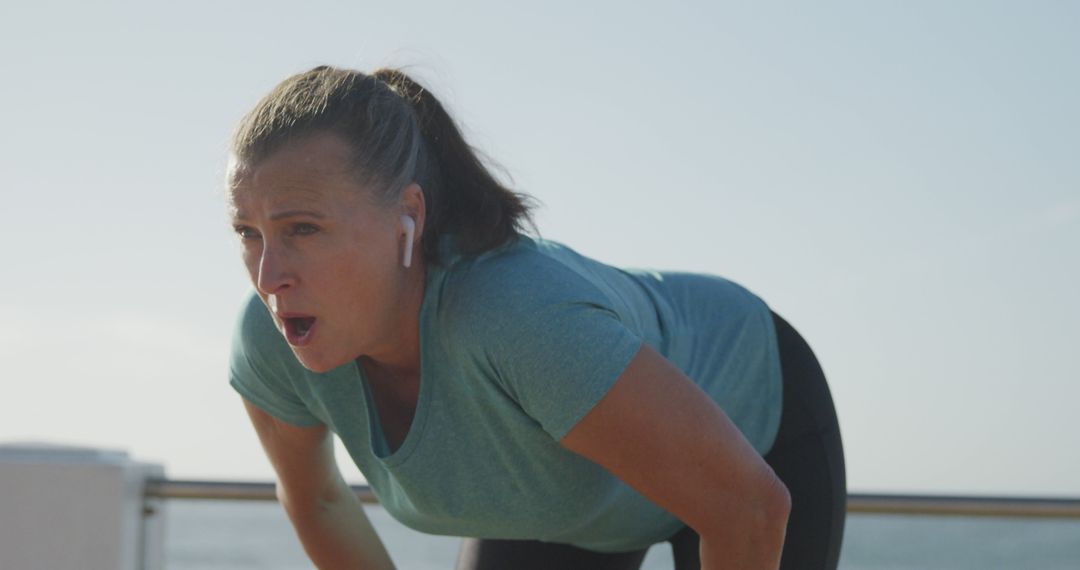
(414, 205)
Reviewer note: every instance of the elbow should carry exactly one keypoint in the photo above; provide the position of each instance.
(771, 513)
(757, 519)
(286, 500)
(301, 503)
(780, 504)
(297, 504)
(280, 493)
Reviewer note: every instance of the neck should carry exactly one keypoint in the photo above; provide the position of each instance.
(400, 354)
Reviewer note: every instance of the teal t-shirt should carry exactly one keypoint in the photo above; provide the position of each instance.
(517, 345)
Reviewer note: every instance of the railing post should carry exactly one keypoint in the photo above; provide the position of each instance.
(67, 508)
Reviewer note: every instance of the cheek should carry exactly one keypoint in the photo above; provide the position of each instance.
(366, 280)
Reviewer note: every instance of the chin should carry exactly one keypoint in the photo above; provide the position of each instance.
(318, 363)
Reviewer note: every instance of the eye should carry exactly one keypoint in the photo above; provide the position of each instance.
(303, 229)
(245, 232)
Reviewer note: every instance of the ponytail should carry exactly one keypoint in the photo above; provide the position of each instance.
(400, 134)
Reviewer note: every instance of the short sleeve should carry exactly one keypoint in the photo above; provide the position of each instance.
(260, 368)
(550, 339)
(563, 360)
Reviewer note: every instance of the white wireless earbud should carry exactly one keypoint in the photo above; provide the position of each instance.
(410, 232)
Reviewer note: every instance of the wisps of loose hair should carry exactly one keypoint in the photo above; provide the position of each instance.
(399, 134)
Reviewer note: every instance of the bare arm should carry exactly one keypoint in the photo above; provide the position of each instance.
(662, 435)
(327, 516)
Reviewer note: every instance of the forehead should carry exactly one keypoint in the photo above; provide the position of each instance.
(313, 171)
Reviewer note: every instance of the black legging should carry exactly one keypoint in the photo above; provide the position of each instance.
(807, 456)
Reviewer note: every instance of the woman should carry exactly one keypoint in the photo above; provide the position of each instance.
(559, 412)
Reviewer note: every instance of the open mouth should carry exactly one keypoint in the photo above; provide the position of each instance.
(298, 330)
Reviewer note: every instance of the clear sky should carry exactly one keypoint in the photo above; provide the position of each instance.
(898, 179)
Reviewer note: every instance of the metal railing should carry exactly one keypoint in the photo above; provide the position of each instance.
(941, 505)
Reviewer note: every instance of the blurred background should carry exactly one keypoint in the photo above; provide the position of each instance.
(899, 180)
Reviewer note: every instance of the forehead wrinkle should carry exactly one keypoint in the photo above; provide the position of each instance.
(323, 155)
(284, 214)
(311, 180)
(314, 172)
(284, 193)
(283, 201)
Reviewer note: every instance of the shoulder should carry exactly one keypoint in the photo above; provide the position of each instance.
(536, 321)
(254, 332)
(253, 317)
(262, 367)
(529, 270)
(514, 285)
(257, 345)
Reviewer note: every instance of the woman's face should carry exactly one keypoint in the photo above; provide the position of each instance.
(323, 256)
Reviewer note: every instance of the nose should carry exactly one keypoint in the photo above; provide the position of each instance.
(275, 273)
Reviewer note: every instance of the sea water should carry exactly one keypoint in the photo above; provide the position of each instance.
(234, 535)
